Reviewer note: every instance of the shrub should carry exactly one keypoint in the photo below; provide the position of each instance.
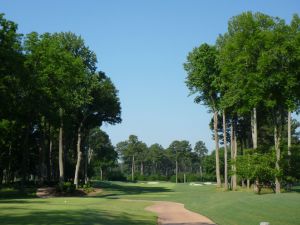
(66, 187)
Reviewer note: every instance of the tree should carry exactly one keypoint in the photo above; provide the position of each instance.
(59, 75)
(103, 106)
(156, 154)
(179, 150)
(201, 150)
(12, 95)
(101, 152)
(279, 58)
(129, 150)
(202, 80)
(240, 51)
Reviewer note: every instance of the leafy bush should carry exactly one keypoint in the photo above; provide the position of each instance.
(87, 187)
(66, 187)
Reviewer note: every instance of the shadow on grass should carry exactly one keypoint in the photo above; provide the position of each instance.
(73, 217)
(112, 190)
(19, 201)
(12, 193)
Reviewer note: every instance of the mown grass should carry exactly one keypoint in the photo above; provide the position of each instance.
(74, 211)
(224, 208)
(12, 192)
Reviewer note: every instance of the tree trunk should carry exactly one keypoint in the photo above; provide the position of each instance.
(40, 173)
(132, 169)
(78, 155)
(231, 151)
(277, 139)
(289, 133)
(42, 152)
(201, 171)
(8, 172)
(248, 184)
(50, 159)
(234, 157)
(1, 176)
(60, 148)
(225, 152)
(234, 154)
(25, 158)
(243, 183)
(48, 156)
(254, 143)
(254, 128)
(217, 149)
(101, 174)
(176, 171)
(86, 166)
(142, 168)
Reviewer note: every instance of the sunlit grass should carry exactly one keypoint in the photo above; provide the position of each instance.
(110, 207)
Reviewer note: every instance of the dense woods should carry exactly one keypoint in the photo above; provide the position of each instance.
(250, 80)
(53, 101)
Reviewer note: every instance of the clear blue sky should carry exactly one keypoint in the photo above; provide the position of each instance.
(142, 45)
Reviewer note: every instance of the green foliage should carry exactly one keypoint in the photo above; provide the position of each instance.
(291, 165)
(115, 175)
(257, 165)
(41, 76)
(203, 72)
(101, 153)
(66, 187)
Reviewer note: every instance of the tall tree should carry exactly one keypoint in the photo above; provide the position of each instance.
(280, 59)
(129, 150)
(201, 150)
(102, 153)
(225, 151)
(179, 150)
(202, 80)
(240, 49)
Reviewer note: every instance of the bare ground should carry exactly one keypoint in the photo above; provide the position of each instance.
(47, 192)
(172, 213)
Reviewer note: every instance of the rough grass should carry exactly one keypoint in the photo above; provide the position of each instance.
(109, 207)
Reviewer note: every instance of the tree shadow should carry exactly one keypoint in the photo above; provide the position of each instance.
(73, 217)
(12, 193)
(113, 189)
(19, 201)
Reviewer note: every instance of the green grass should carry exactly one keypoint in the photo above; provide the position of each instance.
(224, 208)
(74, 211)
(10, 192)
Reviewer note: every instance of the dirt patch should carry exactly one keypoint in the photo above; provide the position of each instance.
(172, 213)
(95, 192)
(47, 192)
